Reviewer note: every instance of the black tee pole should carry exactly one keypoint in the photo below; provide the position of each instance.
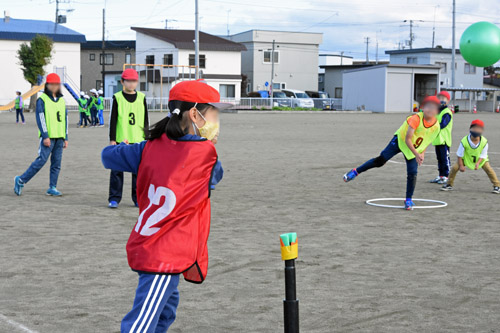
(289, 252)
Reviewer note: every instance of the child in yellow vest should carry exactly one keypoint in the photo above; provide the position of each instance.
(473, 154)
(412, 139)
(128, 120)
(443, 141)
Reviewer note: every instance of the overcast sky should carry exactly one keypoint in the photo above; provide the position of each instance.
(344, 24)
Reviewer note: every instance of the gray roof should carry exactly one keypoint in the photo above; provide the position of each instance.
(422, 50)
(109, 44)
(16, 29)
(184, 39)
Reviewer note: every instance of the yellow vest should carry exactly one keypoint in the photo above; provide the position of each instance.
(130, 122)
(444, 137)
(421, 139)
(55, 116)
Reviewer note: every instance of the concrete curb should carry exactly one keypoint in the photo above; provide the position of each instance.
(290, 112)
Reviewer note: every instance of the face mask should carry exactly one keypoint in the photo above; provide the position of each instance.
(474, 134)
(443, 103)
(210, 130)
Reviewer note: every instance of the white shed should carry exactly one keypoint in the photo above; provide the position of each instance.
(389, 87)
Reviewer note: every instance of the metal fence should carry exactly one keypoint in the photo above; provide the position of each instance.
(251, 103)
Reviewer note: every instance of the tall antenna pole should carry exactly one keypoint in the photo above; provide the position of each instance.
(411, 34)
(196, 42)
(228, 11)
(453, 51)
(272, 73)
(103, 46)
(367, 41)
(434, 26)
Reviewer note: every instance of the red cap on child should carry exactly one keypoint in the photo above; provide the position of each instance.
(477, 122)
(431, 99)
(197, 92)
(53, 78)
(130, 74)
(444, 93)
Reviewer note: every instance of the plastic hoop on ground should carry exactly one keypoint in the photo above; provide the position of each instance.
(440, 204)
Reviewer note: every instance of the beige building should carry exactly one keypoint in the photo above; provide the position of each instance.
(295, 59)
(116, 54)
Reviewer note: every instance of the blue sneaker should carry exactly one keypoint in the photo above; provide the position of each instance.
(53, 192)
(409, 204)
(113, 204)
(135, 204)
(212, 187)
(18, 185)
(350, 175)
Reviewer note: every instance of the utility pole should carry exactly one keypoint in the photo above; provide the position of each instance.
(341, 58)
(103, 46)
(196, 42)
(376, 47)
(227, 25)
(434, 26)
(367, 41)
(453, 51)
(57, 11)
(272, 73)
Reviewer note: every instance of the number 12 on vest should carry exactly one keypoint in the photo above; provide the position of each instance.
(159, 213)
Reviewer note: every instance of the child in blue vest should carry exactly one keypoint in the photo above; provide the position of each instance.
(19, 107)
(100, 108)
(52, 121)
(174, 167)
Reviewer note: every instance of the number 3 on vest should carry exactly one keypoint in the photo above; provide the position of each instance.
(160, 213)
(131, 118)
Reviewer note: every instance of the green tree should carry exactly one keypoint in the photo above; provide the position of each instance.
(33, 57)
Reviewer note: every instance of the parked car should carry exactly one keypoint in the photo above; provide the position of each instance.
(321, 99)
(281, 100)
(299, 98)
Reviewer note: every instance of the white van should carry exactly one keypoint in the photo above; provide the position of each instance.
(300, 98)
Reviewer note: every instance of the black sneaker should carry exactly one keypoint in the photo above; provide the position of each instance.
(447, 187)
(496, 190)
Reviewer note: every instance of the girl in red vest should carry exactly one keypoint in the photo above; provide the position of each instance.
(175, 168)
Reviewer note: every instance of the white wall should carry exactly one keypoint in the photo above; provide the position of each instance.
(364, 87)
(64, 55)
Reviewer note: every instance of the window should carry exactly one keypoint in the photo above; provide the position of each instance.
(227, 90)
(320, 78)
(92, 56)
(98, 84)
(444, 67)
(267, 57)
(128, 58)
(202, 60)
(469, 69)
(283, 85)
(289, 94)
(338, 92)
(168, 59)
(411, 60)
(150, 59)
(143, 86)
(109, 59)
(276, 85)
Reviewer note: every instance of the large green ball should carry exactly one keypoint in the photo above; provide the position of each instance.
(480, 44)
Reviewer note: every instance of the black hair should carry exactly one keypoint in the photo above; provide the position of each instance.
(172, 124)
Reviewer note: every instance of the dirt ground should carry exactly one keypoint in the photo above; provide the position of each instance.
(63, 264)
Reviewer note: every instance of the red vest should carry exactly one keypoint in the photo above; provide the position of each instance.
(173, 192)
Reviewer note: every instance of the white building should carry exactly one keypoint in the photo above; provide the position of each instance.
(295, 59)
(388, 88)
(65, 56)
(466, 75)
(326, 59)
(220, 61)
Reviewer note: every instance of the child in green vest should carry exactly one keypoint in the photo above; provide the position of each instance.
(52, 121)
(19, 107)
(443, 140)
(473, 154)
(128, 120)
(412, 139)
(82, 102)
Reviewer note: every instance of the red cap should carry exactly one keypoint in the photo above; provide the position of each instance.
(477, 122)
(431, 99)
(53, 78)
(197, 92)
(130, 74)
(446, 94)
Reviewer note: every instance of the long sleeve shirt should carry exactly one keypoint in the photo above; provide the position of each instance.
(40, 117)
(127, 158)
(113, 116)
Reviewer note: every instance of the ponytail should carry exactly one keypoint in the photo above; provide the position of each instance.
(175, 125)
